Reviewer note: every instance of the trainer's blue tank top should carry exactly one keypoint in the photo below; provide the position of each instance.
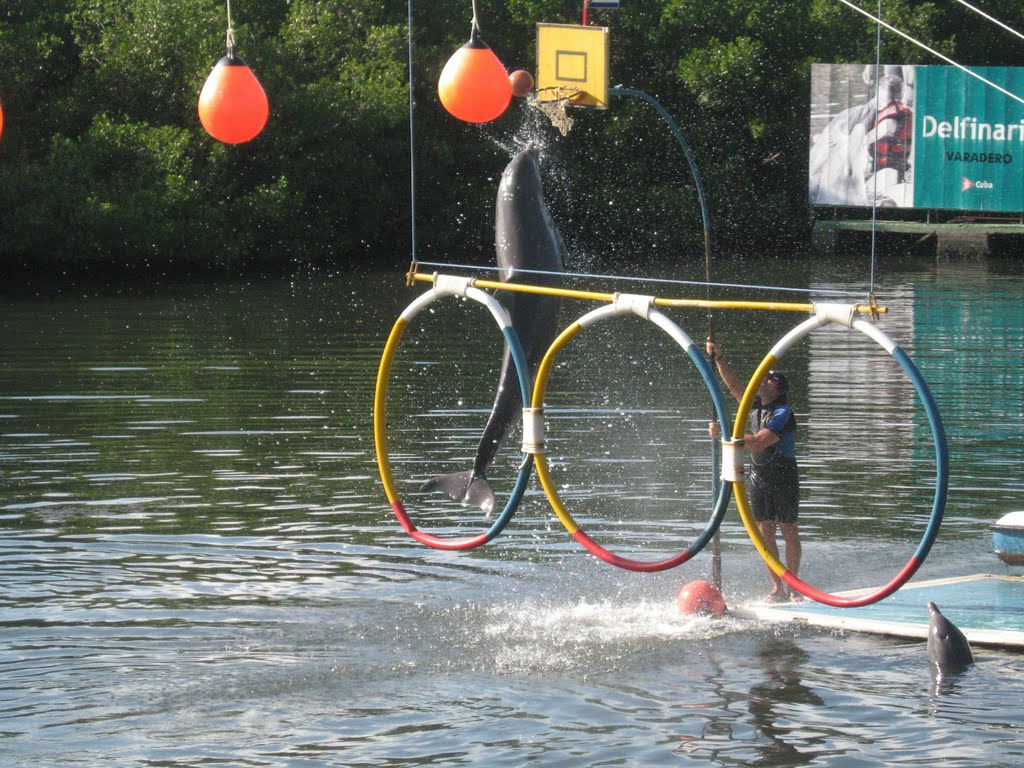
(780, 419)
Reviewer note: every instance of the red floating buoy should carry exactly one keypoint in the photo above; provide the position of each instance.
(474, 85)
(233, 107)
(1, 119)
(701, 598)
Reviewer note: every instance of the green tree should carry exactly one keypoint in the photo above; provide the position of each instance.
(103, 160)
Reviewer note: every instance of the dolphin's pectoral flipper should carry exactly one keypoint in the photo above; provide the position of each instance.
(471, 489)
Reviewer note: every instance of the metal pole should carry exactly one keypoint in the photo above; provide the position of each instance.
(716, 551)
(704, 211)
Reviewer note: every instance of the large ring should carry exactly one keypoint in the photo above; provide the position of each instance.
(826, 314)
(446, 286)
(643, 307)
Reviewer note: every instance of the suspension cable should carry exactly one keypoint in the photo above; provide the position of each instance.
(412, 142)
(935, 53)
(994, 20)
(633, 278)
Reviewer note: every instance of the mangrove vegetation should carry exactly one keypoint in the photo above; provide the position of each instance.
(104, 164)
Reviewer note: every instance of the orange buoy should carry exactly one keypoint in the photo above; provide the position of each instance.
(233, 107)
(701, 598)
(474, 85)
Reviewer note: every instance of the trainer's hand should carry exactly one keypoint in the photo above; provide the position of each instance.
(713, 349)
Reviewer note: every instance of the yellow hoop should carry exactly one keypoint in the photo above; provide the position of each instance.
(643, 307)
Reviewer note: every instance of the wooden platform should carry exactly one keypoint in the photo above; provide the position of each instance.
(989, 609)
(978, 237)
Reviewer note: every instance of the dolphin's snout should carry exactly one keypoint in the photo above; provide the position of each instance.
(532, 149)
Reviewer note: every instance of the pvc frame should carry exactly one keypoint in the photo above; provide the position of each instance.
(825, 315)
(643, 307)
(446, 286)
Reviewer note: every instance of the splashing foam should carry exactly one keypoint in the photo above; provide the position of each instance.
(533, 636)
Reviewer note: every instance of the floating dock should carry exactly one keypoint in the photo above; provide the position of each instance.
(976, 237)
(988, 608)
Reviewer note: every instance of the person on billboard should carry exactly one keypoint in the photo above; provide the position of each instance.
(887, 143)
(773, 483)
(842, 168)
(837, 158)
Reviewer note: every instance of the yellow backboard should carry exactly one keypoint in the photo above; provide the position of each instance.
(572, 62)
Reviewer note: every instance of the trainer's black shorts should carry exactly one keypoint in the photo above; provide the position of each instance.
(775, 494)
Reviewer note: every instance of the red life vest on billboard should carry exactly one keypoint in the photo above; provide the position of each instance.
(893, 150)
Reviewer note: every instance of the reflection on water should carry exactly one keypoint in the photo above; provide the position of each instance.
(198, 565)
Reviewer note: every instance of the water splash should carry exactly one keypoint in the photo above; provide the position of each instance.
(532, 636)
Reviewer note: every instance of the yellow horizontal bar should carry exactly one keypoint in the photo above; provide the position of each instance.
(569, 293)
(781, 306)
(547, 290)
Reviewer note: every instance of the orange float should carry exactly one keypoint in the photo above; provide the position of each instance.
(474, 85)
(233, 107)
(701, 598)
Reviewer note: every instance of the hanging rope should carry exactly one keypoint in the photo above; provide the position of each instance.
(874, 152)
(231, 33)
(412, 143)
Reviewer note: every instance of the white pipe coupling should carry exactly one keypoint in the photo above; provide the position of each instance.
(844, 314)
(533, 430)
(635, 303)
(732, 461)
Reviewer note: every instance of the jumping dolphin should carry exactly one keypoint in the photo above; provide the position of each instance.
(948, 649)
(525, 238)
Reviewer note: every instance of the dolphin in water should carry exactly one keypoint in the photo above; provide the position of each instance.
(948, 649)
(525, 238)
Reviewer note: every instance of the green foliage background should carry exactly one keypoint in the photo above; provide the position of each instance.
(103, 162)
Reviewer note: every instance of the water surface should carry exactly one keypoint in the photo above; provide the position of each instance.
(198, 565)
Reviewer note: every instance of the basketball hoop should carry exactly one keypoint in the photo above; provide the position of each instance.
(556, 109)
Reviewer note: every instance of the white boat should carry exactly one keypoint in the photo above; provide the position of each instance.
(1008, 538)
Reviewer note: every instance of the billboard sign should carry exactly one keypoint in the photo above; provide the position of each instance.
(916, 137)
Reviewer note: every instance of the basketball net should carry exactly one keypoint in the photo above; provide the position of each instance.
(556, 110)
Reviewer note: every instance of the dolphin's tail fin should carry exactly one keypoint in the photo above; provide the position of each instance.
(471, 489)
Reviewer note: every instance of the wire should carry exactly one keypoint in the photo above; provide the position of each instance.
(874, 149)
(995, 21)
(935, 53)
(477, 267)
(412, 144)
